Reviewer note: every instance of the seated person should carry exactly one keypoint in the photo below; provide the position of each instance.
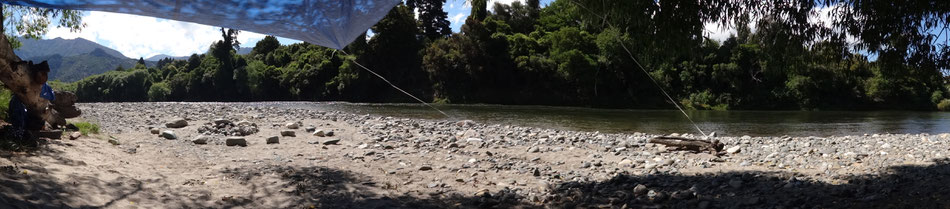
(17, 112)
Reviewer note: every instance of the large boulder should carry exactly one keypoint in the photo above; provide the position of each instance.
(235, 141)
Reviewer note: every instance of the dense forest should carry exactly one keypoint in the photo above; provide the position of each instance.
(567, 54)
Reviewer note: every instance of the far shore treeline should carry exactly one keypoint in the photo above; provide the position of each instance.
(572, 53)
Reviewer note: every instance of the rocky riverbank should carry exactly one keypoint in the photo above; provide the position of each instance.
(178, 155)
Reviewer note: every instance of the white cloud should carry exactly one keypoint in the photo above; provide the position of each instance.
(140, 36)
(458, 17)
(491, 3)
(715, 32)
(825, 18)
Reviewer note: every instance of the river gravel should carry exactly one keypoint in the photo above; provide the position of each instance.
(471, 165)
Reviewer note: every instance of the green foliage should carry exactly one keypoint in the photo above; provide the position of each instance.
(265, 46)
(61, 86)
(434, 21)
(5, 96)
(944, 105)
(87, 128)
(563, 54)
(114, 86)
(33, 23)
(159, 92)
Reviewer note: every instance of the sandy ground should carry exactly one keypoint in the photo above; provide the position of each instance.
(402, 163)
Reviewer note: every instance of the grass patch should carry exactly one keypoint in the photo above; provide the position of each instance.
(5, 96)
(86, 128)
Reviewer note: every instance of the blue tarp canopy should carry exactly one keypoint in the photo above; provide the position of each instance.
(330, 23)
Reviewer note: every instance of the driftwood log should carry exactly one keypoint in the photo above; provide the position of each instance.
(697, 145)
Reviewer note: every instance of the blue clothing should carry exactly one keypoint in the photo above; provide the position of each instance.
(17, 111)
(47, 93)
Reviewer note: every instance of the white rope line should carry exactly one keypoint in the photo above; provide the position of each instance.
(630, 54)
(396, 87)
(661, 88)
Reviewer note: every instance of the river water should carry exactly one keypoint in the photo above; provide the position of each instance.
(733, 123)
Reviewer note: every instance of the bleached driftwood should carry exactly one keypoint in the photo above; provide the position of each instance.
(713, 146)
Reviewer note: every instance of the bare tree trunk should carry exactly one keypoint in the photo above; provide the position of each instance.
(18, 76)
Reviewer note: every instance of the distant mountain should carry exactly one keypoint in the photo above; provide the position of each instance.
(63, 47)
(244, 50)
(74, 59)
(76, 67)
(156, 58)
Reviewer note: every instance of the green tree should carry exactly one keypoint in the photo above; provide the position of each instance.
(265, 46)
(32, 22)
(432, 18)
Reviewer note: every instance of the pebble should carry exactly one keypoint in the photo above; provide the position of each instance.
(483, 193)
(235, 141)
(291, 126)
(310, 129)
(273, 140)
(202, 139)
(534, 149)
(289, 133)
(220, 121)
(169, 135)
(331, 141)
(640, 189)
(649, 166)
(625, 163)
(667, 162)
(75, 135)
(734, 150)
(319, 133)
(425, 168)
(155, 130)
(177, 123)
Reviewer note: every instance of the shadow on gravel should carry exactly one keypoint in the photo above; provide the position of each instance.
(320, 187)
(898, 187)
(26, 185)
